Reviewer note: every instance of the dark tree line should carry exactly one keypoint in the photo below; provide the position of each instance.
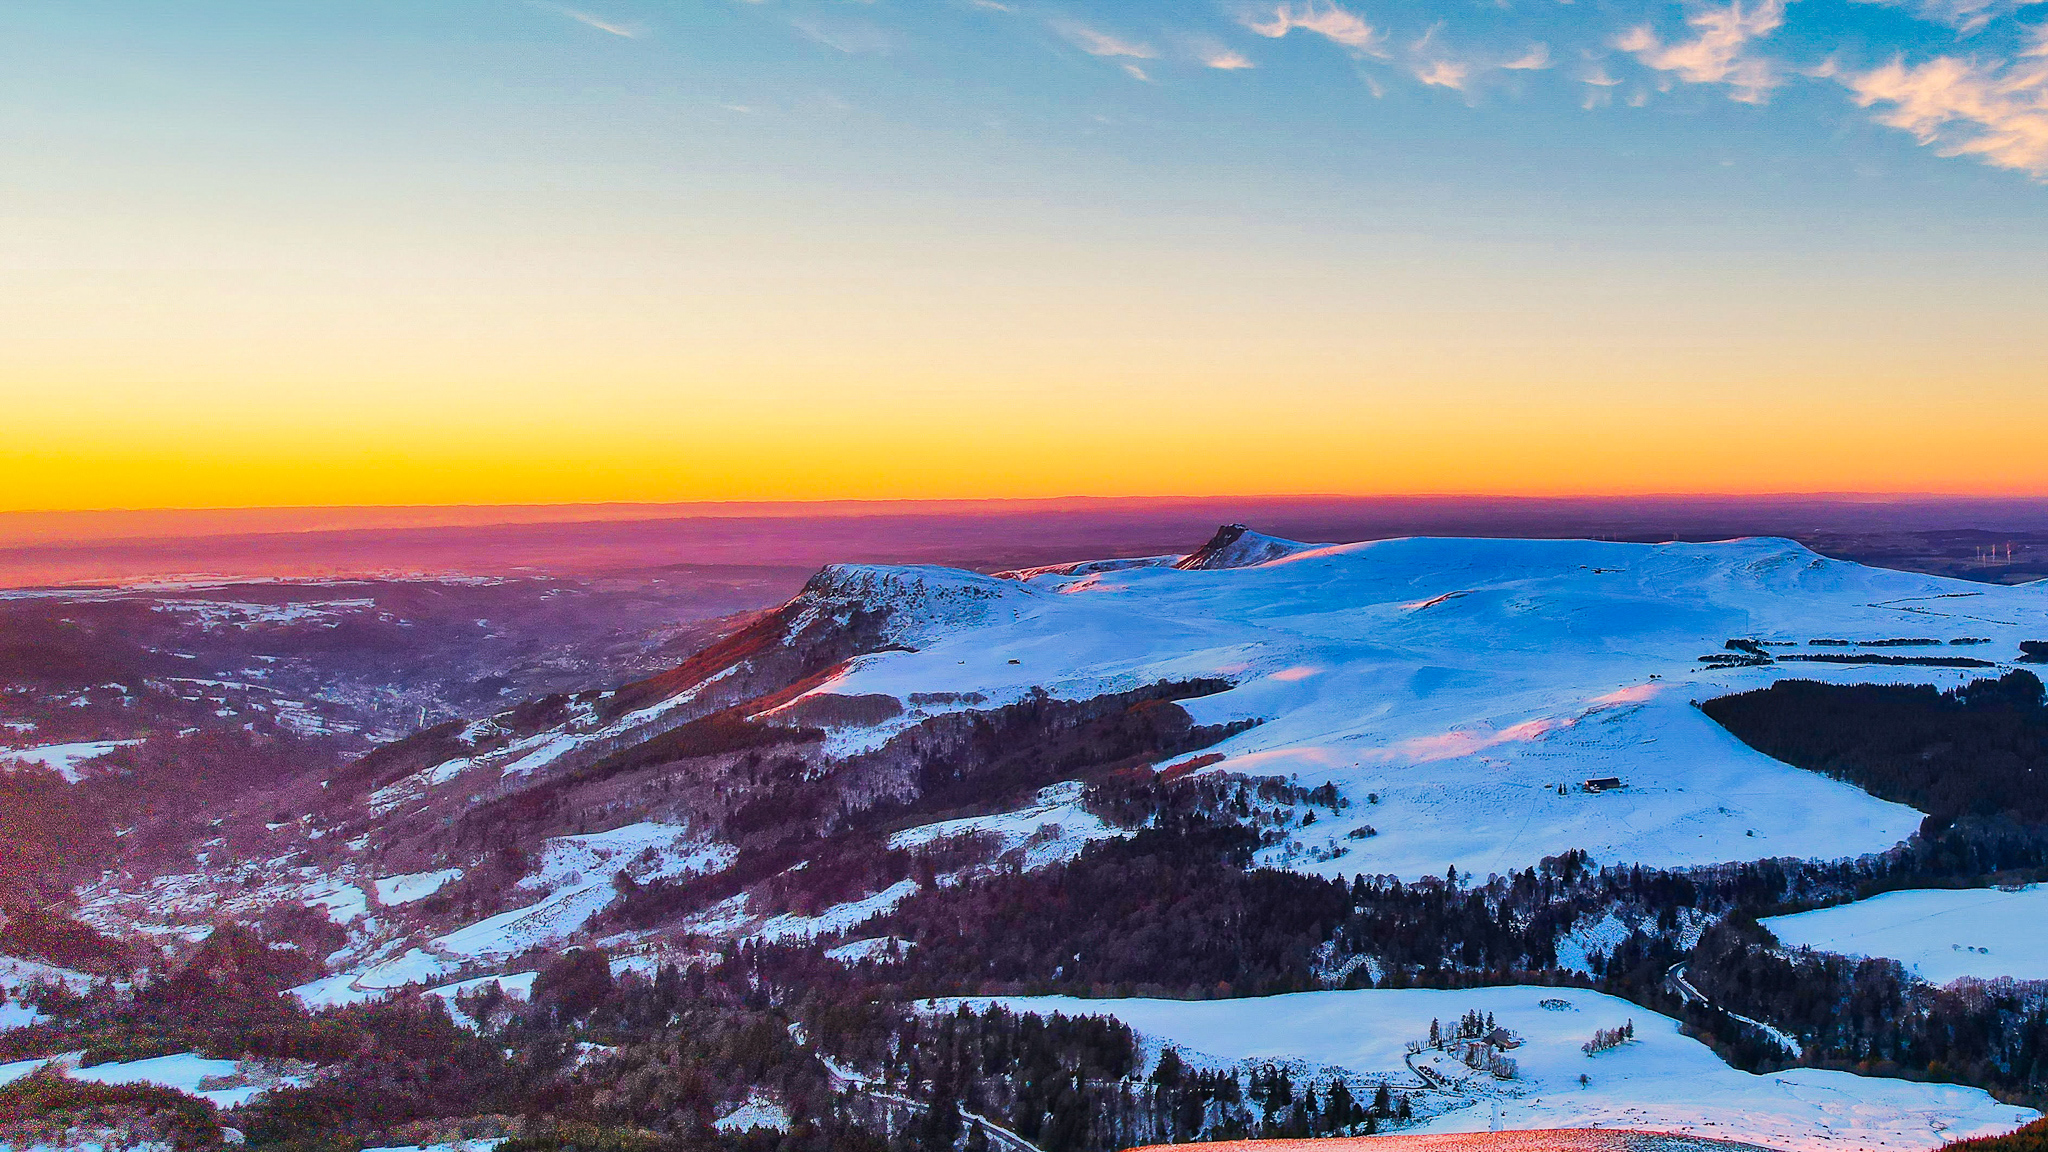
(1979, 749)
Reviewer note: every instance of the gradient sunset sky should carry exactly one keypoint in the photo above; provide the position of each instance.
(484, 252)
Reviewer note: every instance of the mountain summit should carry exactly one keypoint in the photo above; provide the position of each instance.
(1236, 546)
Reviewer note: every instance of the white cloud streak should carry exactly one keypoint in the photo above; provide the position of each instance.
(1996, 112)
(594, 21)
(1536, 57)
(1322, 17)
(1963, 15)
(1444, 74)
(1226, 59)
(1098, 43)
(1716, 54)
(851, 39)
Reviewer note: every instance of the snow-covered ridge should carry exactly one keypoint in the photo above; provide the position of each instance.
(917, 598)
(1089, 567)
(1472, 685)
(1236, 546)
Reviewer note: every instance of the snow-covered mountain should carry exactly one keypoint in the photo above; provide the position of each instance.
(1474, 686)
(1448, 701)
(914, 781)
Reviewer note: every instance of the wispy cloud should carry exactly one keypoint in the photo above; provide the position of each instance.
(1444, 74)
(1996, 112)
(1322, 17)
(1137, 73)
(1211, 52)
(1538, 56)
(593, 20)
(1962, 15)
(851, 39)
(991, 6)
(1716, 54)
(1098, 43)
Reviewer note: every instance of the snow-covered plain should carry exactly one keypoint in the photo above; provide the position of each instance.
(1660, 1081)
(1464, 681)
(1940, 934)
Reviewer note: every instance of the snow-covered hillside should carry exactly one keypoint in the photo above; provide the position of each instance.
(1659, 1081)
(1473, 686)
(1940, 934)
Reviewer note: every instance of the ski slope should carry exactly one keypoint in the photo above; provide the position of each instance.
(1660, 1081)
(1941, 935)
(1464, 681)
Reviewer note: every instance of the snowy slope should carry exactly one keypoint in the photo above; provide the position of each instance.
(227, 1083)
(1661, 1080)
(1052, 830)
(1465, 680)
(1941, 935)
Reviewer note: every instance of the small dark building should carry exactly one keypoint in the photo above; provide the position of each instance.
(1601, 784)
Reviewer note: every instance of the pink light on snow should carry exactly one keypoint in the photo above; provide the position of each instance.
(1633, 694)
(1451, 745)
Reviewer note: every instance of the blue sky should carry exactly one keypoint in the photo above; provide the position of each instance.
(232, 233)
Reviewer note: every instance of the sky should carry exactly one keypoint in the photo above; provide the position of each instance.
(501, 251)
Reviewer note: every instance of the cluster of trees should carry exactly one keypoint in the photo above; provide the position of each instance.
(1078, 1084)
(2032, 1138)
(1979, 749)
(46, 1110)
(1609, 1038)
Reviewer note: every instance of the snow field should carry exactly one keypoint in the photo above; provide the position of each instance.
(1941, 935)
(755, 1113)
(1464, 681)
(398, 891)
(227, 1083)
(1660, 1081)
